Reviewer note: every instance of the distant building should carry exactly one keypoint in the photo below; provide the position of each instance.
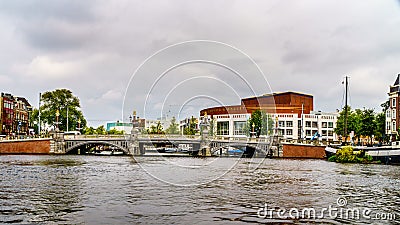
(164, 121)
(291, 112)
(126, 127)
(392, 113)
(123, 126)
(15, 113)
(183, 124)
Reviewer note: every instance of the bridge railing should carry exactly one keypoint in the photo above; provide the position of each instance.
(242, 139)
(94, 136)
(150, 136)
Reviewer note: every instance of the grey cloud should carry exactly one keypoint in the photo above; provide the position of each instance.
(305, 46)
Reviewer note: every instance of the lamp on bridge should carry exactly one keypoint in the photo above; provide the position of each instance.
(253, 133)
(79, 124)
(57, 115)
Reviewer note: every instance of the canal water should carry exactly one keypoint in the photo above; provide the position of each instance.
(73, 189)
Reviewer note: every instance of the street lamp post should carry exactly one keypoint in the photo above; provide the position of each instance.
(79, 125)
(67, 119)
(57, 115)
(252, 130)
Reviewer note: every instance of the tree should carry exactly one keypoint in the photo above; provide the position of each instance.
(368, 123)
(212, 127)
(89, 130)
(173, 127)
(267, 124)
(115, 132)
(153, 129)
(159, 128)
(262, 123)
(191, 129)
(62, 100)
(385, 106)
(380, 130)
(255, 122)
(353, 122)
(101, 130)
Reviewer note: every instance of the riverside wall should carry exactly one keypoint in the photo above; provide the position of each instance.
(303, 151)
(25, 146)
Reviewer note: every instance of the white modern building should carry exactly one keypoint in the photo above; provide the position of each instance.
(291, 112)
(291, 126)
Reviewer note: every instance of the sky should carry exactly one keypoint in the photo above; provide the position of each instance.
(177, 57)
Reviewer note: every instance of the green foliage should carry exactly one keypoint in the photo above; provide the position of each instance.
(191, 129)
(156, 129)
(173, 127)
(368, 123)
(262, 123)
(364, 123)
(115, 132)
(353, 122)
(332, 158)
(89, 131)
(60, 99)
(347, 155)
(101, 130)
(380, 121)
(212, 127)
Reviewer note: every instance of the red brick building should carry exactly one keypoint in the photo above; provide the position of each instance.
(14, 115)
(285, 102)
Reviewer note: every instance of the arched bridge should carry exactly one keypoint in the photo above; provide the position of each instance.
(125, 143)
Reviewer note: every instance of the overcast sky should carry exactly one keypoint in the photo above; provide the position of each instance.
(94, 47)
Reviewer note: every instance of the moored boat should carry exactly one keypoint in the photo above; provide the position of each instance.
(389, 154)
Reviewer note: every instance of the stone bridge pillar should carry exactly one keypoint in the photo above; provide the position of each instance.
(205, 149)
(134, 147)
(57, 144)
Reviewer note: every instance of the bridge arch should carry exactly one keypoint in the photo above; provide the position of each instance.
(97, 142)
(263, 148)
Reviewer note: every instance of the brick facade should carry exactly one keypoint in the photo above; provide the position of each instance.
(303, 151)
(25, 147)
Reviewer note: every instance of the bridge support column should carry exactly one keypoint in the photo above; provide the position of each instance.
(57, 144)
(134, 146)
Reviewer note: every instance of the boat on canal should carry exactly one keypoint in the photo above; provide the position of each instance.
(388, 154)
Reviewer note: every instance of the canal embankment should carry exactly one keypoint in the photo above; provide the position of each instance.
(26, 146)
(303, 151)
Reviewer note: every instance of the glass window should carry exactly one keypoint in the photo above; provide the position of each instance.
(324, 124)
(289, 123)
(308, 132)
(281, 123)
(393, 114)
(308, 124)
(223, 128)
(314, 124)
(289, 132)
(393, 102)
(394, 126)
(330, 124)
(330, 133)
(239, 128)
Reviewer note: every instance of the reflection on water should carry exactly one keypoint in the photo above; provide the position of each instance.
(117, 190)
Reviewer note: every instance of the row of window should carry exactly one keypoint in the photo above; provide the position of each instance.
(239, 128)
(308, 124)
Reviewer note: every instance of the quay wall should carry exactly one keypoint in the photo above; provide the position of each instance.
(26, 146)
(303, 151)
